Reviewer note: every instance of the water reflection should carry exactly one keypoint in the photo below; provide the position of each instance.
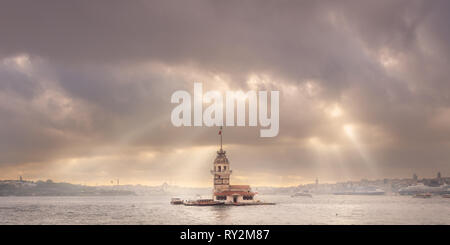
(221, 213)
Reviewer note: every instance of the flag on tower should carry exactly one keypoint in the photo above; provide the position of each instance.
(220, 131)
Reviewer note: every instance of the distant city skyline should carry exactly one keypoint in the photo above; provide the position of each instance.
(115, 182)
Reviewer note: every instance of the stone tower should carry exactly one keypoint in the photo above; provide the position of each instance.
(221, 170)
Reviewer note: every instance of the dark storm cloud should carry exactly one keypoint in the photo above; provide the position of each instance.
(92, 56)
(290, 38)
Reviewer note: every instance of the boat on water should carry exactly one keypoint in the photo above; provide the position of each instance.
(422, 188)
(422, 195)
(258, 202)
(203, 202)
(301, 194)
(176, 201)
(446, 195)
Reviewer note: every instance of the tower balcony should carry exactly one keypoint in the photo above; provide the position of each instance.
(221, 172)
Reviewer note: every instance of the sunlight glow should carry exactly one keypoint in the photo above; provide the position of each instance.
(350, 132)
(334, 111)
(322, 147)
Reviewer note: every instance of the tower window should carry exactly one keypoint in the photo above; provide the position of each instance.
(224, 168)
(219, 169)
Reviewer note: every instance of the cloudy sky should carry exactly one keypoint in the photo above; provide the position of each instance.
(85, 89)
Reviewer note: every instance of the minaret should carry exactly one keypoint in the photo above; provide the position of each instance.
(221, 169)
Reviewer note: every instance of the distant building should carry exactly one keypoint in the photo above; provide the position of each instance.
(164, 187)
(439, 178)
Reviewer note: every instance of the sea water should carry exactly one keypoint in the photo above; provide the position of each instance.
(318, 210)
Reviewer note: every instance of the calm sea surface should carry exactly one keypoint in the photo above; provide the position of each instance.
(321, 209)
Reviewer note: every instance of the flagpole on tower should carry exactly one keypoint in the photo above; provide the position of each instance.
(220, 133)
